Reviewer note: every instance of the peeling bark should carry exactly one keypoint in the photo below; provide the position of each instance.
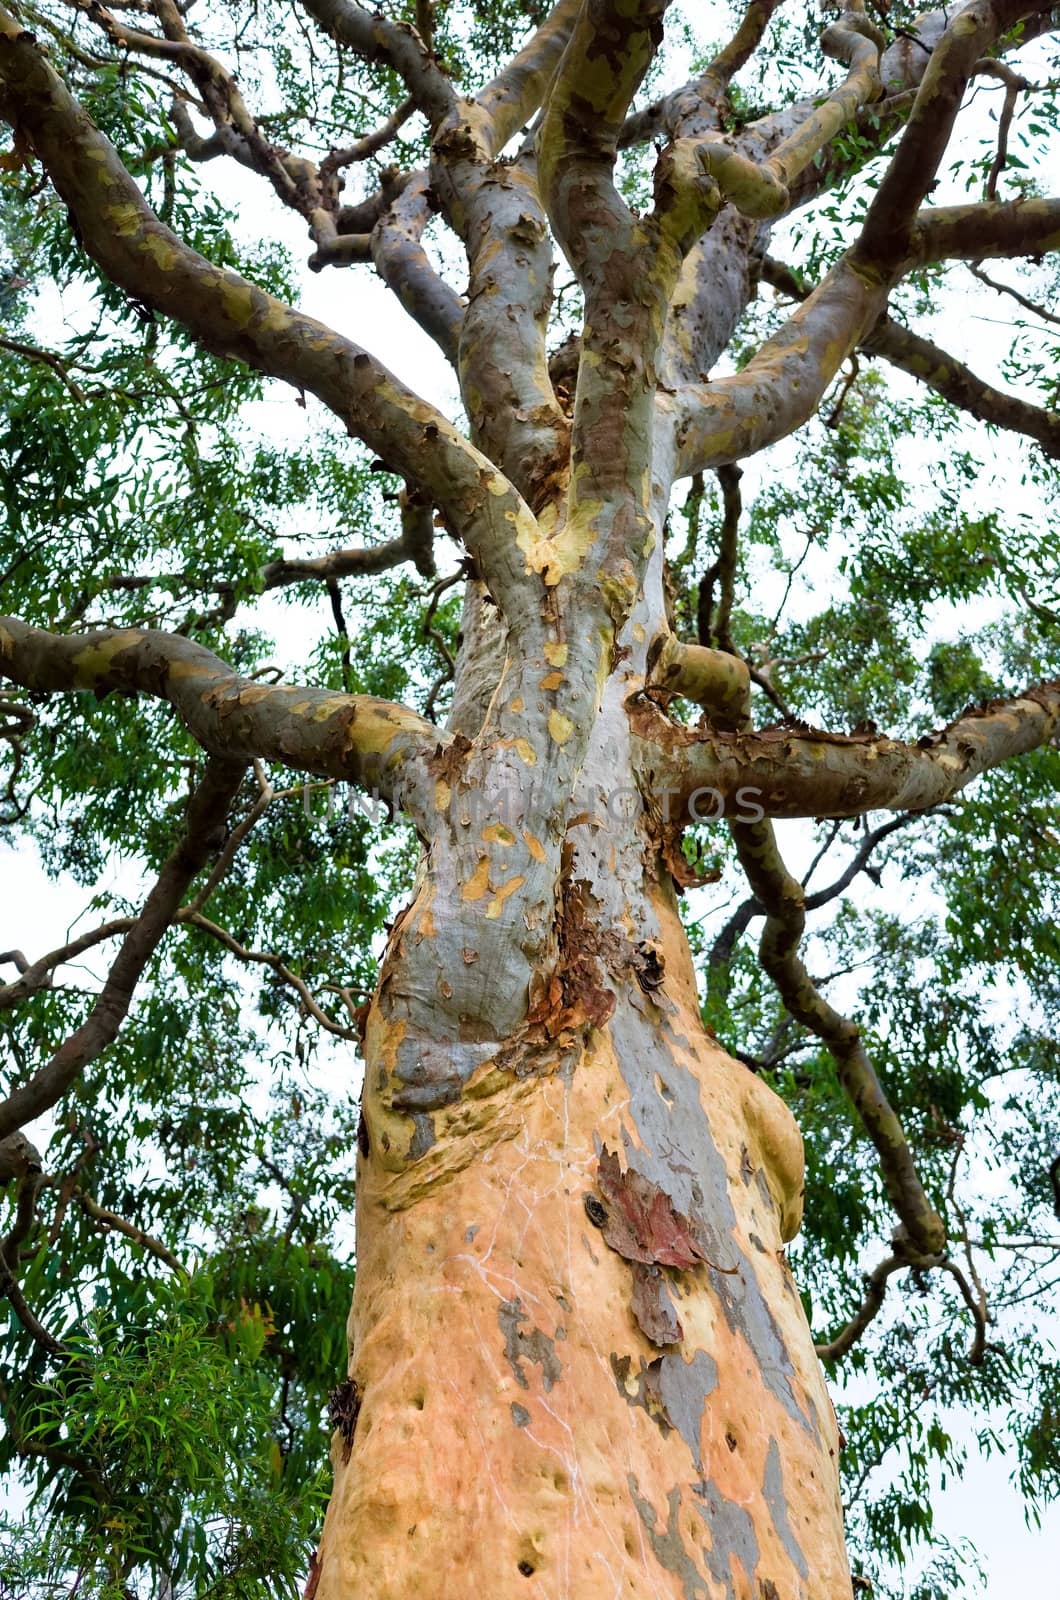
(578, 1363)
(511, 1375)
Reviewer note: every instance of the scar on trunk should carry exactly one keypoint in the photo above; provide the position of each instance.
(344, 1407)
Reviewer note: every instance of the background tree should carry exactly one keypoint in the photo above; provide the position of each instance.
(579, 1361)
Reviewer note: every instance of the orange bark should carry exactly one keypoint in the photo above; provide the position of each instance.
(520, 1433)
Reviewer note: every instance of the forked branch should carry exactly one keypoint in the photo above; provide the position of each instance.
(233, 317)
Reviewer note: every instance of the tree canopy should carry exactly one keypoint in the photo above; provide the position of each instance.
(210, 500)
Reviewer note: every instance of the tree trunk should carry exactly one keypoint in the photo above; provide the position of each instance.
(581, 1363)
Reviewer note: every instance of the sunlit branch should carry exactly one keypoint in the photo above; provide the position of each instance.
(735, 55)
(607, 54)
(516, 92)
(939, 371)
(696, 176)
(714, 679)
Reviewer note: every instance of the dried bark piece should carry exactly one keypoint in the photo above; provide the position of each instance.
(642, 1223)
(652, 1306)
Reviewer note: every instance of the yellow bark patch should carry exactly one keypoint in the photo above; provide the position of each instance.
(535, 847)
(255, 693)
(556, 654)
(493, 910)
(560, 727)
(326, 708)
(497, 833)
(552, 680)
(526, 752)
(238, 299)
(162, 253)
(95, 659)
(516, 705)
(442, 795)
(123, 220)
(478, 883)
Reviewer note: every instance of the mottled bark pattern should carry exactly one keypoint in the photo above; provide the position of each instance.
(580, 1364)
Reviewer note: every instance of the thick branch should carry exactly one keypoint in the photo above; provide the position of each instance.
(504, 377)
(714, 679)
(799, 772)
(627, 269)
(516, 93)
(402, 263)
(735, 55)
(699, 174)
(203, 831)
(960, 386)
(977, 232)
(366, 741)
(940, 371)
(232, 317)
(911, 172)
(375, 37)
(781, 386)
(605, 58)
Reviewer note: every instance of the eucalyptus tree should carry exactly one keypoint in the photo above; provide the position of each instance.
(579, 1360)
